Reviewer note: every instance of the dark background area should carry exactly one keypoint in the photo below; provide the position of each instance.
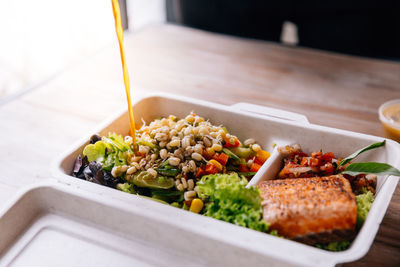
(365, 28)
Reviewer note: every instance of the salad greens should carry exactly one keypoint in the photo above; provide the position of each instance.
(335, 246)
(229, 200)
(364, 203)
(243, 152)
(218, 179)
(109, 152)
(210, 183)
(168, 170)
(95, 152)
(231, 154)
(147, 143)
(127, 187)
(168, 196)
(145, 179)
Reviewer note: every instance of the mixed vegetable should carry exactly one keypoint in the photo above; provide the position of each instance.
(229, 200)
(194, 165)
(169, 160)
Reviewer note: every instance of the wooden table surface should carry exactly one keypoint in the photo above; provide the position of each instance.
(330, 89)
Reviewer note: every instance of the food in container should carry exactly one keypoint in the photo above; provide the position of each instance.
(195, 165)
(268, 131)
(320, 200)
(182, 162)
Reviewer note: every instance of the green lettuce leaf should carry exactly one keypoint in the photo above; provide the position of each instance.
(230, 201)
(126, 187)
(364, 203)
(117, 141)
(209, 183)
(95, 152)
(335, 246)
(109, 152)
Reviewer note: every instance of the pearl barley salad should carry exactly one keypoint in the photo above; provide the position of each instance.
(187, 163)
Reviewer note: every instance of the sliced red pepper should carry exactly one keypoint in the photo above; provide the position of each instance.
(314, 162)
(243, 168)
(200, 172)
(231, 142)
(137, 153)
(327, 157)
(298, 153)
(255, 167)
(257, 161)
(211, 169)
(221, 158)
(316, 154)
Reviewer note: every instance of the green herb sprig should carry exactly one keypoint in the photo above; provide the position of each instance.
(377, 168)
(358, 152)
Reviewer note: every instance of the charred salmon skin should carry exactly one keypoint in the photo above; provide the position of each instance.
(310, 210)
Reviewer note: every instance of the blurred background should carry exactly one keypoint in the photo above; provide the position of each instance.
(41, 38)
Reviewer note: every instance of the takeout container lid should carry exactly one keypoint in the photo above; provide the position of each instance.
(269, 127)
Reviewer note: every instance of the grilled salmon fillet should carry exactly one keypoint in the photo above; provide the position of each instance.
(310, 210)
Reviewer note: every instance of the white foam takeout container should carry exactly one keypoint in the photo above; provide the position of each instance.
(67, 221)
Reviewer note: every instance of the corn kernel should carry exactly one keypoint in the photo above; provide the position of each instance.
(216, 147)
(210, 151)
(196, 206)
(216, 164)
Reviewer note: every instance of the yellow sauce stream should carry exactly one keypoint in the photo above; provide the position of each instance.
(118, 29)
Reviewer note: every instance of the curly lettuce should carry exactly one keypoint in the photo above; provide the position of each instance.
(229, 200)
(210, 183)
(126, 187)
(335, 246)
(364, 202)
(109, 152)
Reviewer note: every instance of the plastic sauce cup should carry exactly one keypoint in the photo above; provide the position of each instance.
(389, 114)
